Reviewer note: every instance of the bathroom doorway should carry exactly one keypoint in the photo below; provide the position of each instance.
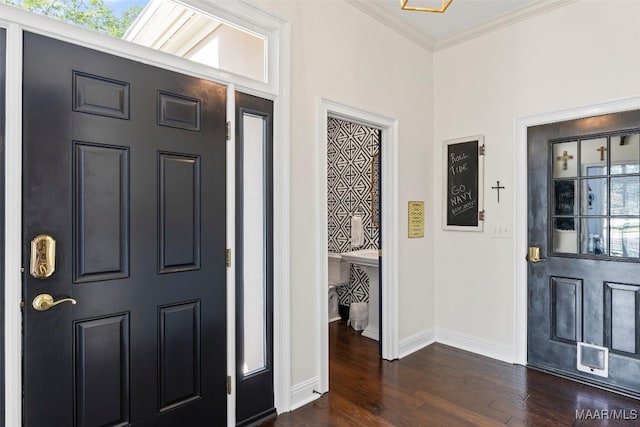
(371, 210)
(353, 223)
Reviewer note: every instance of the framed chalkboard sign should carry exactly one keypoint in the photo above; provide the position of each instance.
(463, 204)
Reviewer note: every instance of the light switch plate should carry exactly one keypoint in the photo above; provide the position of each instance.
(501, 231)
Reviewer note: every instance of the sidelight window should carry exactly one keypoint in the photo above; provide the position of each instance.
(595, 187)
(255, 261)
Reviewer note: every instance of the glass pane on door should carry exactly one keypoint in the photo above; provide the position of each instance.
(594, 156)
(594, 196)
(594, 236)
(625, 154)
(564, 156)
(254, 284)
(625, 237)
(625, 192)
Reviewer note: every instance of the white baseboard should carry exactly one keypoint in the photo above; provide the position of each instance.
(371, 333)
(416, 342)
(474, 344)
(303, 393)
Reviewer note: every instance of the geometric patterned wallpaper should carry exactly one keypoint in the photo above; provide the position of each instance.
(350, 148)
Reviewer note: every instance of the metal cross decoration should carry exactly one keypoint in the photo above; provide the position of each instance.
(498, 187)
(565, 156)
(601, 150)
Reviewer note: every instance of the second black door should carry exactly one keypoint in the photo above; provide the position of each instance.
(584, 219)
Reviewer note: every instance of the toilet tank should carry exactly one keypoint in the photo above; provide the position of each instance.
(338, 270)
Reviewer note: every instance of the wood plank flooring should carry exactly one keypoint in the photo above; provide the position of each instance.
(444, 386)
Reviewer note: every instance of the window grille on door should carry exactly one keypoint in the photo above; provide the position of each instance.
(595, 184)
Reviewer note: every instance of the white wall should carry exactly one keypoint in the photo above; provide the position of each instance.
(574, 56)
(341, 54)
(240, 52)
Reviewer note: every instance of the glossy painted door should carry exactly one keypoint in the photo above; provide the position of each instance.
(254, 259)
(124, 166)
(584, 216)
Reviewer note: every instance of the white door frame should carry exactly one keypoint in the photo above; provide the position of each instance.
(277, 33)
(389, 224)
(521, 208)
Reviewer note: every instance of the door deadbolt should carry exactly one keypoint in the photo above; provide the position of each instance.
(43, 256)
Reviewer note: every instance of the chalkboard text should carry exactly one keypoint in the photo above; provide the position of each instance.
(462, 185)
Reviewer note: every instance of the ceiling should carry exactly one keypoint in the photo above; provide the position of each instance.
(464, 19)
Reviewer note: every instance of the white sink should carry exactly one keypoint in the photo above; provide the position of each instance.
(366, 257)
(367, 261)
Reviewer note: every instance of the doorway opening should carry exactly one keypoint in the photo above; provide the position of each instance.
(353, 190)
(382, 134)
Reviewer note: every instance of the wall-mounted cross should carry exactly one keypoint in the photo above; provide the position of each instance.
(498, 187)
(565, 156)
(601, 150)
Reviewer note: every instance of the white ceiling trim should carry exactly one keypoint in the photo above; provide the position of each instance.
(501, 21)
(378, 12)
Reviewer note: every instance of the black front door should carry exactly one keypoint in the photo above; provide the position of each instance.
(124, 166)
(584, 220)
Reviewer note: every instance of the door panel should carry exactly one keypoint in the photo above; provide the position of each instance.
(254, 259)
(583, 214)
(179, 209)
(124, 166)
(101, 195)
(102, 371)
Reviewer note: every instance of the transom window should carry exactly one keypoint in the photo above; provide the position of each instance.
(166, 25)
(595, 204)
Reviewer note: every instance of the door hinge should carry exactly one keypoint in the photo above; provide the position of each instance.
(481, 150)
(21, 305)
(481, 216)
(228, 384)
(228, 130)
(228, 258)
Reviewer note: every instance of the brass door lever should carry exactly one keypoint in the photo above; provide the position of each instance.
(534, 255)
(44, 302)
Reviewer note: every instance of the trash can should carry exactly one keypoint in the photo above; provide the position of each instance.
(358, 315)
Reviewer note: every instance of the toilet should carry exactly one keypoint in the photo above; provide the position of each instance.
(338, 276)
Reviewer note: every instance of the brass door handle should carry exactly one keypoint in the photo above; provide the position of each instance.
(44, 302)
(534, 255)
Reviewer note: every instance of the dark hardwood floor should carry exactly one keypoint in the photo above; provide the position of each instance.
(444, 386)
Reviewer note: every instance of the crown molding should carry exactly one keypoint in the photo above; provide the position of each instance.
(377, 11)
(501, 21)
(374, 9)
